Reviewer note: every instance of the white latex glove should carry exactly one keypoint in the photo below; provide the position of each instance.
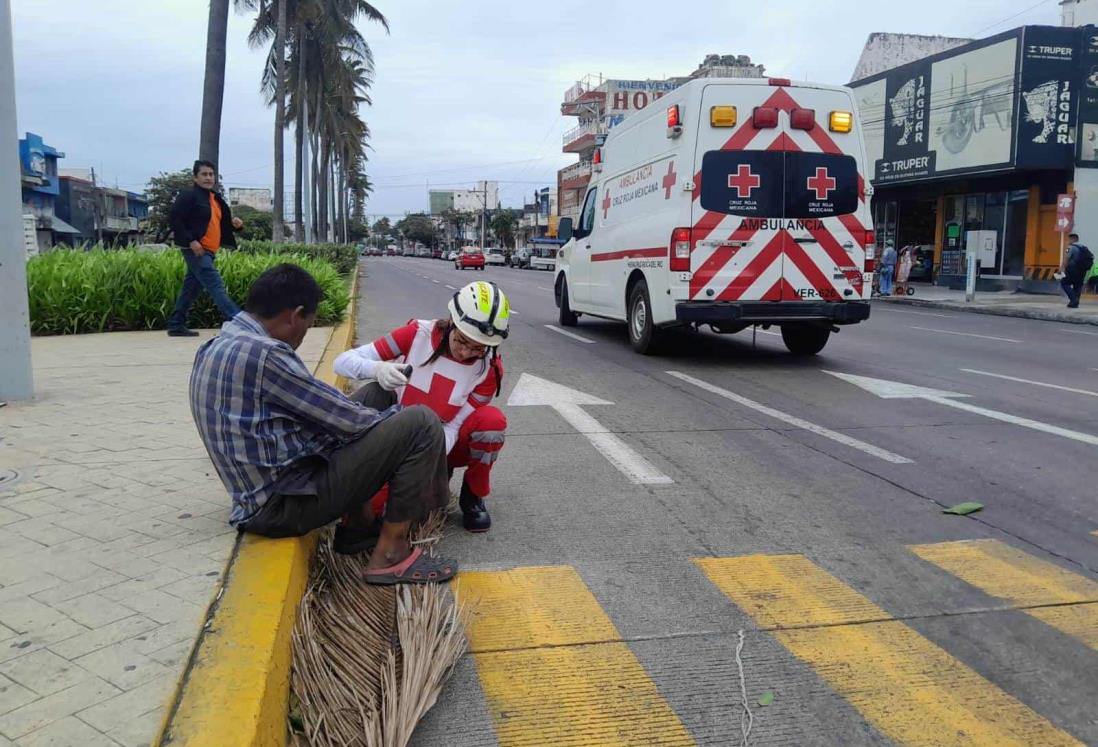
(389, 375)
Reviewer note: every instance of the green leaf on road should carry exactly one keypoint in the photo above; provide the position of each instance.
(766, 699)
(964, 509)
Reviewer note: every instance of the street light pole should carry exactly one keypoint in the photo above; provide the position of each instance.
(16, 379)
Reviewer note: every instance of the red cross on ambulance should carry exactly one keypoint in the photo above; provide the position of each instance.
(822, 183)
(744, 181)
(606, 204)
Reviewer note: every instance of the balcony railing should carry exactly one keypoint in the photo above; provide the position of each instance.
(114, 223)
(576, 133)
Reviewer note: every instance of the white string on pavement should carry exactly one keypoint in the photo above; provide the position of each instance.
(747, 719)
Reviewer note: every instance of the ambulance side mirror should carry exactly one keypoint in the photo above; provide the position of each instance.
(564, 229)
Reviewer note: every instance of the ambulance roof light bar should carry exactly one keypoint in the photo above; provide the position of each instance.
(780, 82)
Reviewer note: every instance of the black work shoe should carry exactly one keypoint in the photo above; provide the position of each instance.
(182, 333)
(353, 540)
(474, 514)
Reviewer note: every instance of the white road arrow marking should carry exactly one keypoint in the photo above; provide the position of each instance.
(793, 420)
(896, 390)
(1034, 383)
(533, 391)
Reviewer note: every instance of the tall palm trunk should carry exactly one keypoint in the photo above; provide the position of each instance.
(299, 145)
(280, 123)
(213, 89)
(322, 196)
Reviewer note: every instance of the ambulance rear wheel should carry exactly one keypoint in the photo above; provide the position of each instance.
(566, 317)
(805, 339)
(643, 335)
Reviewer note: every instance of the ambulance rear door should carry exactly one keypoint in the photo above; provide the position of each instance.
(738, 206)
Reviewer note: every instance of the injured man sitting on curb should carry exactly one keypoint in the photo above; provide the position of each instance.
(296, 454)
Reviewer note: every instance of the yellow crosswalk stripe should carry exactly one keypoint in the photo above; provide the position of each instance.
(906, 686)
(553, 667)
(1064, 600)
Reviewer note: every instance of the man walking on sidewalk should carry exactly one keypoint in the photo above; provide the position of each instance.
(202, 223)
(888, 268)
(296, 454)
(1077, 263)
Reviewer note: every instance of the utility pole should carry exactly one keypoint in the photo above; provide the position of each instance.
(97, 208)
(484, 215)
(16, 376)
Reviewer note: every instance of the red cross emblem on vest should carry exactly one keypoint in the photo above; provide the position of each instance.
(606, 205)
(823, 184)
(669, 181)
(744, 181)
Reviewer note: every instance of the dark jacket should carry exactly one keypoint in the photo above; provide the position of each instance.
(191, 217)
(1079, 260)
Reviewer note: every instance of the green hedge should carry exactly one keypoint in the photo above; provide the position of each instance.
(75, 291)
(343, 256)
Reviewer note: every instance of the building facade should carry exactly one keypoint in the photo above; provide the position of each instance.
(40, 187)
(974, 143)
(259, 199)
(601, 104)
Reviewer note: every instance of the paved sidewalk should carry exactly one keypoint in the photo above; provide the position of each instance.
(113, 538)
(1002, 303)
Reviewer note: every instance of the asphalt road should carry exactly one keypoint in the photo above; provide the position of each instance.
(788, 503)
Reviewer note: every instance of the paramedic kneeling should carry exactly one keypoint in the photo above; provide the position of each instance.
(295, 454)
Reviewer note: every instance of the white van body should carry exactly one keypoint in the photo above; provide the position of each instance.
(773, 220)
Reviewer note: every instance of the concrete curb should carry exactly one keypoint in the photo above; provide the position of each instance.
(235, 690)
(1045, 316)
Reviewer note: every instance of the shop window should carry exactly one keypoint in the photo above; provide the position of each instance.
(1014, 242)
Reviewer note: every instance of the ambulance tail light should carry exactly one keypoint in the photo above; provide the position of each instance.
(841, 122)
(764, 117)
(596, 160)
(870, 251)
(802, 119)
(780, 82)
(679, 251)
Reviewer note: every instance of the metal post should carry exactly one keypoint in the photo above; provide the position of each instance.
(16, 379)
(970, 273)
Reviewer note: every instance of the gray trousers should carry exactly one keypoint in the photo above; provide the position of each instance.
(406, 450)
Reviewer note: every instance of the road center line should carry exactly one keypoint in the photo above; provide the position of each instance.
(1081, 332)
(451, 287)
(1034, 383)
(964, 334)
(566, 333)
(920, 313)
(793, 420)
(543, 288)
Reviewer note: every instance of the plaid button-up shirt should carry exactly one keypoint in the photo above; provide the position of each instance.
(260, 413)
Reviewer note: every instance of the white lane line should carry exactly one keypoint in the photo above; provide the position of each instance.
(1079, 332)
(451, 287)
(964, 334)
(919, 313)
(793, 420)
(514, 312)
(435, 281)
(543, 288)
(768, 332)
(1034, 383)
(566, 333)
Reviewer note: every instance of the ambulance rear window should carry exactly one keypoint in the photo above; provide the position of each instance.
(779, 184)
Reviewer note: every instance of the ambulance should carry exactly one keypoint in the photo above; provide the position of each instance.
(725, 204)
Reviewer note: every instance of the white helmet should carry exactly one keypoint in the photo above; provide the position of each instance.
(481, 312)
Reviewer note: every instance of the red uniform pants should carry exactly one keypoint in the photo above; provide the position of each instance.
(478, 445)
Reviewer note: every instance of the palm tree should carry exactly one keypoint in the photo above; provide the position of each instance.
(213, 88)
(329, 70)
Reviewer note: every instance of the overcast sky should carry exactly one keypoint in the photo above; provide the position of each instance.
(463, 91)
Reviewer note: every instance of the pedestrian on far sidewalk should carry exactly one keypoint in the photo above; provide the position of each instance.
(202, 223)
(1076, 264)
(903, 271)
(295, 454)
(888, 268)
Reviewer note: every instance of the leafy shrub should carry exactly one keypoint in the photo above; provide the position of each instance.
(73, 291)
(343, 256)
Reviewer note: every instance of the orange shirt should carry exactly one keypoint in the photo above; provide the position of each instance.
(211, 242)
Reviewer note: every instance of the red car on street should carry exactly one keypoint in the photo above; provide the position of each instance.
(470, 257)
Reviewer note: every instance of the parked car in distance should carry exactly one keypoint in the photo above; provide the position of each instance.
(494, 257)
(452, 255)
(470, 257)
(520, 258)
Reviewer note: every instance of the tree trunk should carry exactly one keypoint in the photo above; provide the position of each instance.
(299, 145)
(324, 184)
(213, 90)
(277, 232)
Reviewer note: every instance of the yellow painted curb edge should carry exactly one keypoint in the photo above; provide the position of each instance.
(235, 690)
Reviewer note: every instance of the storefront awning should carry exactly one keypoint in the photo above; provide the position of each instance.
(59, 226)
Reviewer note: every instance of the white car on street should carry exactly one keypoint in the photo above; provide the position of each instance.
(494, 257)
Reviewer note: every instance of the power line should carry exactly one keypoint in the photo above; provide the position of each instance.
(1011, 18)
